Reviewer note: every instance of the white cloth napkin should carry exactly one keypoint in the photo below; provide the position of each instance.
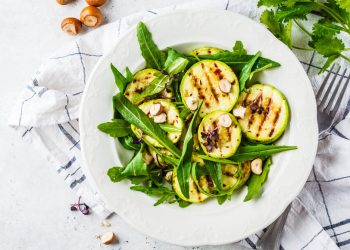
(47, 116)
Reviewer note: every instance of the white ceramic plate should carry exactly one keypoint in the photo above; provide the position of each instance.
(207, 223)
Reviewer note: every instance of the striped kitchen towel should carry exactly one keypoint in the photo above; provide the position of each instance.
(46, 116)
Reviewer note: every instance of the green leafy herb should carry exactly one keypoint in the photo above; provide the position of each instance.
(156, 86)
(119, 79)
(184, 168)
(256, 182)
(169, 128)
(129, 75)
(172, 56)
(115, 128)
(246, 71)
(221, 198)
(137, 166)
(153, 56)
(250, 152)
(215, 173)
(177, 66)
(137, 117)
(217, 160)
(238, 49)
(128, 142)
(168, 159)
(164, 193)
(115, 174)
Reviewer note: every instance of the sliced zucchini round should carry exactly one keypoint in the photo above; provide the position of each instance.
(216, 140)
(172, 118)
(205, 51)
(141, 80)
(157, 159)
(212, 81)
(266, 113)
(195, 196)
(233, 176)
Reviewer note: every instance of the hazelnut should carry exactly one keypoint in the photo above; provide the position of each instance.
(105, 223)
(96, 3)
(169, 175)
(64, 2)
(161, 118)
(256, 166)
(107, 238)
(192, 103)
(225, 120)
(225, 86)
(239, 112)
(91, 16)
(155, 109)
(71, 26)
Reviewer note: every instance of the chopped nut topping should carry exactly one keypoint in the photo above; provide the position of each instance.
(192, 103)
(161, 118)
(256, 166)
(155, 109)
(105, 223)
(225, 120)
(239, 112)
(107, 238)
(225, 86)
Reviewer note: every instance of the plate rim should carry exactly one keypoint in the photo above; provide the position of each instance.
(103, 60)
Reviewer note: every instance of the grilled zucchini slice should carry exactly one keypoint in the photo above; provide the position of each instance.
(204, 81)
(205, 51)
(195, 194)
(217, 140)
(233, 176)
(141, 80)
(266, 113)
(172, 118)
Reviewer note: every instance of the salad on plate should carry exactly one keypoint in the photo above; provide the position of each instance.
(200, 124)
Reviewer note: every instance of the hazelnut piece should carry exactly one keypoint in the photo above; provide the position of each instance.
(64, 2)
(155, 109)
(225, 120)
(239, 112)
(225, 86)
(161, 118)
(256, 166)
(107, 238)
(96, 3)
(192, 103)
(71, 26)
(91, 16)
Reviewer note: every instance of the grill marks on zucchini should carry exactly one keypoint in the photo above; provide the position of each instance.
(205, 51)
(201, 82)
(141, 80)
(267, 113)
(218, 141)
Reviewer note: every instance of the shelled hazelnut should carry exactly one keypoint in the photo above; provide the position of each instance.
(91, 16)
(96, 3)
(71, 26)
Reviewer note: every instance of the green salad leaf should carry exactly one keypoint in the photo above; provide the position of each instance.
(119, 79)
(116, 128)
(177, 66)
(155, 87)
(137, 166)
(129, 75)
(169, 128)
(256, 182)
(250, 152)
(238, 49)
(137, 117)
(165, 194)
(184, 168)
(217, 160)
(128, 142)
(246, 71)
(215, 173)
(154, 57)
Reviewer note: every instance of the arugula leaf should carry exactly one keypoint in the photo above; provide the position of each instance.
(245, 73)
(168, 159)
(115, 174)
(185, 112)
(137, 117)
(217, 160)
(184, 168)
(137, 166)
(119, 79)
(128, 143)
(238, 48)
(183, 203)
(162, 191)
(169, 128)
(155, 87)
(215, 173)
(172, 56)
(177, 66)
(297, 11)
(115, 128)
(256, 182)
(267, 66)
(250, 152)
(129, 75)
(221, 199)
(153, 56)
(237, 62)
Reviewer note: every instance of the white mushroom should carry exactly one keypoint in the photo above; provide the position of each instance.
(225, 85)
(161, 118)
(155, 109)
(225, 120)
(107, 238)
(192, 103)
(239, 112)
(256, 166)
(169, 175)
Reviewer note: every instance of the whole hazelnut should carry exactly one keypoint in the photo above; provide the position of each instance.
(96, 3)
(71, 26)
(91, 16)
(64, 2)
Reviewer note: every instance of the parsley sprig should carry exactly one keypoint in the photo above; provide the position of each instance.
(324, 37)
